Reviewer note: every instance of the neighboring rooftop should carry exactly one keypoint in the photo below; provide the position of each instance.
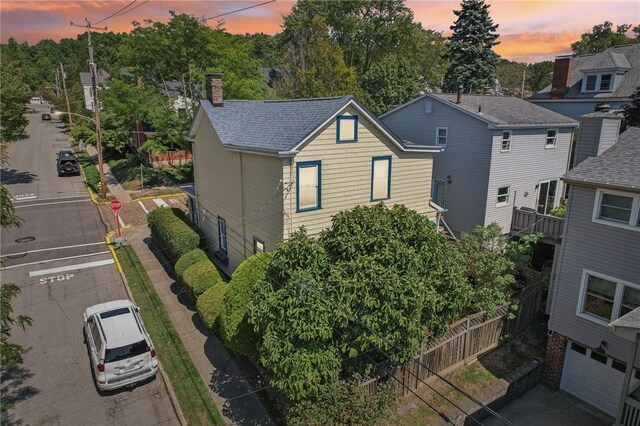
(278, 126)
(618, 57)
(618, 166)
(85, 78)
(506, 110)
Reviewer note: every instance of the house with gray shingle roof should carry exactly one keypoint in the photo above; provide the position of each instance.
(500, 152)
(596, 273)
(265, 168)
(580, 83)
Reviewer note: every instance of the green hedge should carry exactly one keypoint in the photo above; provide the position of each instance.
(188, 259)
(91, 175)
(208, 304)
(235, 329)
(171, 231)
(201, 276)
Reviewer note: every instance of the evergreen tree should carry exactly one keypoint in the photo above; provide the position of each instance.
(472, 62)
(632, 111)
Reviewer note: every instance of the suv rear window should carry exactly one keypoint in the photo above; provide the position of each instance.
(114, 313)
(124, 352)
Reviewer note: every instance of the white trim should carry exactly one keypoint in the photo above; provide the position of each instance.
(635, 210)
(617, 299)
(446, 136)
(505, 203)
(598, 75)
(555, 138)
(556, 198)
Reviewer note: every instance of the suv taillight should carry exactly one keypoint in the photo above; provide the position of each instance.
(153, 353)
(101, 367)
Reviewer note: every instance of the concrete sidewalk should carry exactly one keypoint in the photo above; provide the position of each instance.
(114, 186)
(232, 394)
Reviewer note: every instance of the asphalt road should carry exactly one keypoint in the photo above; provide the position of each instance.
(59, 260)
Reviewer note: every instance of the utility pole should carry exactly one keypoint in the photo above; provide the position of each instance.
(66, 95)
(57, 76)
(96, 105)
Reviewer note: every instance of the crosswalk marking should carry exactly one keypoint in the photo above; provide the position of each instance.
(71, 267)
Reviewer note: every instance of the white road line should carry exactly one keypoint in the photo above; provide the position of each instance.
(22, 200)
(160, 202)
(53, 248)
(27, 197)
(71, 267)
(50, 204)
(55, 260)
(143, 207)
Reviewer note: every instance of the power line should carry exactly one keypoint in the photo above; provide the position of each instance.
(119, 10)
(133, 8)
(237, 10)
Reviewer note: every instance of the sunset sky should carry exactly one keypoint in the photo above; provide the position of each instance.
(529, 30)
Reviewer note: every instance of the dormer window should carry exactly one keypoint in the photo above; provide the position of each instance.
(598, 82)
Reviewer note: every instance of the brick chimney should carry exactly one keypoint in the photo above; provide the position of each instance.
(214, 89)
(561, 76)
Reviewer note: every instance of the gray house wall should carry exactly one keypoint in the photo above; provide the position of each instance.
(575, 109)
(599, 248)
(596, 136)
(466, 157)
(526, 164)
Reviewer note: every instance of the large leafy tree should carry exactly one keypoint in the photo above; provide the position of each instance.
(472, 59)
(539, 75)
(185, 49)
(602, 36)
(365, 292)
(632, 111)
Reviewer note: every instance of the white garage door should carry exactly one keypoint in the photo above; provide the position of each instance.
(593, 377)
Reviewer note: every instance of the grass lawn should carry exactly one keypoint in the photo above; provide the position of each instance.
(194, 397)
(127, 172)
(473, 377)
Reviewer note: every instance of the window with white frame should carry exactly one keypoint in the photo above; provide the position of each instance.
(617, 208)
(604, 298)
(222, 235)
(441, 136)
(347, 128)
(258, 245)
(602, 82)
(503, 196)
(380, 178)
(506, 141)
(309, 185)
(552, 138)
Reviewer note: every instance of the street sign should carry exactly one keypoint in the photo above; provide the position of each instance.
(115, 205)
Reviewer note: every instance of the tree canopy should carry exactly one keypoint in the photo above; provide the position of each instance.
(632, 111)
(602, 36)
(472, 59)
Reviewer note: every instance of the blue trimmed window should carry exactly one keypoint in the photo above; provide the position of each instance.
(380, 178)
(222, 235)
(258, 246)
(347, 128)
(308, 185)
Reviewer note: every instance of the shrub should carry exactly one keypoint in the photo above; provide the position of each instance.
(237, 334)
(208, 304)
(171, 231)
(188, 259)
(200, 276)
(91, 175)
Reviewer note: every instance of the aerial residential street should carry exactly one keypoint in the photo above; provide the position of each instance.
(59, 260)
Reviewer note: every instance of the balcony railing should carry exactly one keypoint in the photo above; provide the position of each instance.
(631, 412)
(528, 221)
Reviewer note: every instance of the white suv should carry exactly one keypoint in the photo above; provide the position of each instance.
(121, 351)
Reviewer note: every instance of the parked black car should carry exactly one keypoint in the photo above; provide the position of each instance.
(67, 163)
(46, 117)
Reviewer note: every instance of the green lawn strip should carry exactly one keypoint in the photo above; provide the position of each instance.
(194, 398)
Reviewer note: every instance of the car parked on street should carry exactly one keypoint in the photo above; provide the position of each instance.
(46, 117)
(119, 346)
(67, 163)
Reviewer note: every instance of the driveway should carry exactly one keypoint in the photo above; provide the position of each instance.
(542, 406)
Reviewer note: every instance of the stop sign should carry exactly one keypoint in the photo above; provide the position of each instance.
(115, 205)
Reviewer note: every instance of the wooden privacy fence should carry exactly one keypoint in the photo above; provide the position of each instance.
(465, 341)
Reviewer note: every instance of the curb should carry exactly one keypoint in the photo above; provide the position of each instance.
(165, 380)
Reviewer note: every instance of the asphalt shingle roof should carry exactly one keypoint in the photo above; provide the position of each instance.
(618, 166)
(507, 110)
(85, 78)
(624, 57)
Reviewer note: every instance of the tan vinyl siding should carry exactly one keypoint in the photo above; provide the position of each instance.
(346, 175)
(522, 168)
(599, 248)
(236, 186)
(466, 157)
